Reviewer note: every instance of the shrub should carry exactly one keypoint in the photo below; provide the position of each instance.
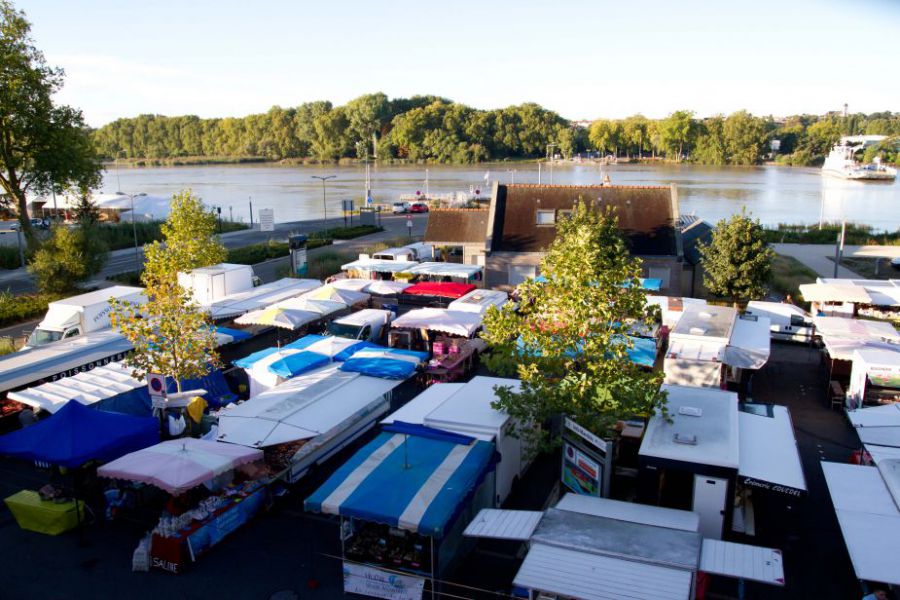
(22, 307)
(68, 257)
(345, 233)
(9, 257)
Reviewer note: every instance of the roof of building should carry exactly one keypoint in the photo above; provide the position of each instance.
(694, 234)
(647, 215)
(457, 225)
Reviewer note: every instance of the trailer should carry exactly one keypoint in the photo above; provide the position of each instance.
(789, 323)
(209, 284)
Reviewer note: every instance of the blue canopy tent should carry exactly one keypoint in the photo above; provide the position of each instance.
(411, 482)
(218, 393)
(642, 353)
(236, 335)
(387, 363)
(251, 359)
(77, 434)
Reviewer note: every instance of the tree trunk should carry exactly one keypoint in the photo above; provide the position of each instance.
(15, 190)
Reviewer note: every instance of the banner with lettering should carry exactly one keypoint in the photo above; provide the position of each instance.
(369, 581)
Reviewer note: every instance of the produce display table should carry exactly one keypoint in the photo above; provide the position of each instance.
(173, 553)
(43, 516)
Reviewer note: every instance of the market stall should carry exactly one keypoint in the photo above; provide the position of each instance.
(419, 328)
(435, 291)
(335, 294)
(834, 299)
(478, 301)
(260, 297)
(303, 421)
(178, 467)
(72, 437)
(874, 377)
(878, 428)
(404, 500)
(367, 268)
(445, 271)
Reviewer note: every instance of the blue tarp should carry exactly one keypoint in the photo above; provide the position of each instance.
(134, 402)
(219, 394)
(251, 359)
(651, 285)
(395, 479)
(392, 364)
(300, 362)
(236, 334)
(644, 351)
(351, 350)
(305, 342)
(77, 434)
(427, 432)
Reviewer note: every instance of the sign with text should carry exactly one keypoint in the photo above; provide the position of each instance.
(267, 219)
(586, 461)
(369, 581)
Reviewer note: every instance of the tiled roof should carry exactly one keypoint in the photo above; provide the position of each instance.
(459, 226)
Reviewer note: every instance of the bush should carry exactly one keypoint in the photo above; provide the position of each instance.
(9, 257)
(128, 278)
(345, 233)
(7, 346)
(327, 264)
(121, 235)
(68, 257)
(855, 234)
(22, 307)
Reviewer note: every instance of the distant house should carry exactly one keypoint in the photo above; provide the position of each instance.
(510, 238)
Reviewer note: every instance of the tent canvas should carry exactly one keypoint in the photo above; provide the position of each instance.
(414, 483)
(440, 289)
(445, 269)
(856, 329)
(77, 434)
(478, 301)
(89, 387)
(260, 297)
(378, 266)
(832, 292)
(869, 520)
(418, 409)
(769, 458)
(389, 363)
(453, 322)
(750, 343)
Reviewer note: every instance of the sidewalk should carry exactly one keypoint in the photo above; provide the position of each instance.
(816, 257)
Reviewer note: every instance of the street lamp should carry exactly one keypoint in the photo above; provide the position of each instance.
(323, 179)
(137, 260)
(550, 160)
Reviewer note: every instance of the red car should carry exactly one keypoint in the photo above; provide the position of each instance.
(418, 207)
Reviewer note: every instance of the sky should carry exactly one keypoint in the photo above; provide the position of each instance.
(585, 60)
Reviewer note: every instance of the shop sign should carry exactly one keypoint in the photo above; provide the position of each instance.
(774, 487)
(267, 219)
(580, 474)
(369, 581)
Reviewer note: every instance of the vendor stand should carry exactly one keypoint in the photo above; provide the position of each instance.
(434, 293)
(71, 438)
(874, 378)
(404, 501)
(178, 467)
(417, 329)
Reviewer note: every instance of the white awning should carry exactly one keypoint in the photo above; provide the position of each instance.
(750, 343)
(741, 561)
(856, 329)
(769, 458)
(416, 410)
(869, 520)
(260, 297)
(833, 292)
(87, 388)
(632, 512)
(438, 319)
(445, 269)
(478, 301)
(379, 266)
(504, 524)
(594, 577)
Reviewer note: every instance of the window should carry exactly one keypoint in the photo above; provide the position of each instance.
(75, 331)
(564, 213)
(520, 273)
(545, 217)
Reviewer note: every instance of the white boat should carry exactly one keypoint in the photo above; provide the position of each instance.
(840, 162)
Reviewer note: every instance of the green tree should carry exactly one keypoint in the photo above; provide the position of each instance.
(634, 132)
(567, 341)
(42, 146)
(190, 242)
(68, 257)
(678, 132)
(711, 145)
(745, 138)
(737, 261)
(606, 136)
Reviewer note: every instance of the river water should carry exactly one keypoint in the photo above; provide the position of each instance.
(772, 194)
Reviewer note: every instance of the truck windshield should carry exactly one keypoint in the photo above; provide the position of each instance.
(343, 330)
(40, 337)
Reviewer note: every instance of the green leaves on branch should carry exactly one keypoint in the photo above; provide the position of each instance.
(567, 342)
(68, 257)
(737, 262)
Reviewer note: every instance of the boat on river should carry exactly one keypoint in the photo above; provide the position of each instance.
(841, 163)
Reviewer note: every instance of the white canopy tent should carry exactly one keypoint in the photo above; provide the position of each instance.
(87, 388)
(869, 520)
(672, 307)
(750, 343)
(856, 329)
(478, 301)
(260, 297)
(445, 269)
(834, 292)
(368, 265)
(454, 322)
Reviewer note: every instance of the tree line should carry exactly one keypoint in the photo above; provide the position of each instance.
(435, 129)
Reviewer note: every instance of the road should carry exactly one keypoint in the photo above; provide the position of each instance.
(816, 257)
(121, 261)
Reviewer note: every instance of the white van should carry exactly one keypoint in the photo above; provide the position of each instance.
(789, 323)
(410, 253)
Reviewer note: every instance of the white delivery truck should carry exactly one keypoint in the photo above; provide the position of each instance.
(82, 314)
(789, 323)
(208, 284)
(411, 252)
(368, 324)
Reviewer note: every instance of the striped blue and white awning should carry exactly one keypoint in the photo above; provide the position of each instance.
(412, 482)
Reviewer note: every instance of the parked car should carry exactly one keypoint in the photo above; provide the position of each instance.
(35, 224)
(418, 207)
(400, 207)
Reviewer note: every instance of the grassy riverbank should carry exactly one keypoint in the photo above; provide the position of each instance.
(854, 235)
(788, 274)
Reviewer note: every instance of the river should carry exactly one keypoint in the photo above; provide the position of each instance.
(772, 194)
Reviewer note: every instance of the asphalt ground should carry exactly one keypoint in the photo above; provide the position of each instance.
(287, 550)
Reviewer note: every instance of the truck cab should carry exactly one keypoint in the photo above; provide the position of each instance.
(366, 325)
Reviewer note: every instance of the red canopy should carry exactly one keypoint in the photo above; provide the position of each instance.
(444, 289)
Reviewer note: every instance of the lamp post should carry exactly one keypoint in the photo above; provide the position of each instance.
(137, 260)
(550, 160)
(323, 179)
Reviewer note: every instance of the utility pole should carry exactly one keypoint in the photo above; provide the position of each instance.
(250, 200)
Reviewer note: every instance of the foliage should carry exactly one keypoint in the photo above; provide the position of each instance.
(567, 340)
(7, 346)
(15, 308)
(42, 146)
(68, 257)
(345, 233)
(827, 233)
(170, 334)
(678, 133)
(9, 257)
(737, 261)
(788, 274)
(190, 241)
(257, 253)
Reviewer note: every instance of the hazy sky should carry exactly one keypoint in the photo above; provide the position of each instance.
(583, 59)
